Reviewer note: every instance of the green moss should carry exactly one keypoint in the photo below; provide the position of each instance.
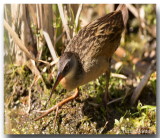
(141, 122)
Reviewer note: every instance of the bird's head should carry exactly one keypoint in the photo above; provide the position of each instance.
(66, 67)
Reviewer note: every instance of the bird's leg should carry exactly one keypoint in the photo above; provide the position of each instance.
(58, 105)
(106, 94)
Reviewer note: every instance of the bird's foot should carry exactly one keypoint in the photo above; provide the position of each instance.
(57, 106)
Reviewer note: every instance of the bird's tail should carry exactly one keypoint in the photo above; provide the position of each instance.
(124, 10)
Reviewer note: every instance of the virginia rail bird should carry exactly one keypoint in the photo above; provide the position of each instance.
(88, 54)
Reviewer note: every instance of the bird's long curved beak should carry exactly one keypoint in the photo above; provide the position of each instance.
(58, 79)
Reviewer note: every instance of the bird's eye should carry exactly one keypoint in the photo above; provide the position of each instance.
(67, 67)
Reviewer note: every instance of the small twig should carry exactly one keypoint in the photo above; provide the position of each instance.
(100, 132)
(121, 76)
(115, 100)
(29, 95)
(77, 18)
(39, 15)
(78, 15)
(29, 101)
(50, 46)
(64, 21)
(59, 37)
(127, 92)
(55, 118)
(54, 62)
(45, 62)
(94, 104)
(39, 111)
(142, 84)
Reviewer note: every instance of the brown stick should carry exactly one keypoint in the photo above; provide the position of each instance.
(64, 21)
(77, 17)
(58, 105)
(142, 84)
(50, 45)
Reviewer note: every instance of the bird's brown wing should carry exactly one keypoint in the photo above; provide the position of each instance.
(99, 38)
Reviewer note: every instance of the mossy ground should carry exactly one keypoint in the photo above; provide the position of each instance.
(85, 115)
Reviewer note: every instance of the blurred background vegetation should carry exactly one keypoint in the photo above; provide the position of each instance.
(35, 35)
